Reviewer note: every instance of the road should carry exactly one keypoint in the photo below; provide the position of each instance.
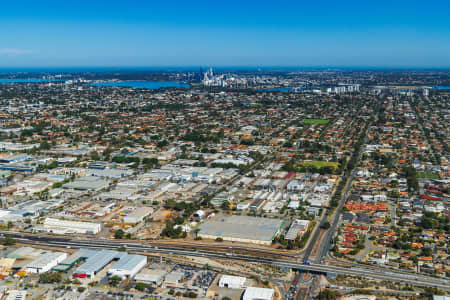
(139, 247)
(315, 237)
(327, 240)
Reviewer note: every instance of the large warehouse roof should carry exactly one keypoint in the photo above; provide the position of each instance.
(43, 260)
(241, 227)
(65, 226)
(256, 293)
(87, 183)
(128, 262)
(80, 254)
(232, 281)
(98, 261)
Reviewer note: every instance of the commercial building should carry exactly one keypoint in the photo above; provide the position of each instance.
(109, 173)
(14, 158)
(256, 293)
(257, 204)
(154, 276)
(173, 278)
(73, 259)
(67, 227)
(137, 215)
(17, 167)
(128, 266)
(298, 227)
(88, 183)
(241, 229)
(16, 295)
(97, 262)
(232, 282)
(45, 262)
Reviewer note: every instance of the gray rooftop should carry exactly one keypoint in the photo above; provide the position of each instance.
(80, 254)
(98, 261)
(243, 227)
(128, 262)
(87, 183)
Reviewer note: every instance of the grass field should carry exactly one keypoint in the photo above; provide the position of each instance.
(319, 164)
(316, 121)
(428, 175)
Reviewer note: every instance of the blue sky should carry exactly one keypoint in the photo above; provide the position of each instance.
(393, 33)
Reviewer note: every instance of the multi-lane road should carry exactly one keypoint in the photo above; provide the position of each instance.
(325, 242)
(287, 262)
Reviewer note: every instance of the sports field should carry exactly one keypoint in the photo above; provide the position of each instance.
(319, 164)
(427, 175)
(316, 121)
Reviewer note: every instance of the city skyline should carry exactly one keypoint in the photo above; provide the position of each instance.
(404, 34)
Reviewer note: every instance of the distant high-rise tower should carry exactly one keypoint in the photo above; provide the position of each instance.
(200, 74)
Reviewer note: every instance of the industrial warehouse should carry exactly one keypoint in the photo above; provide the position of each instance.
(127, 265)
(45, 262)
(66, 227)
(244, 229)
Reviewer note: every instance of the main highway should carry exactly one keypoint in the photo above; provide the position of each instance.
(325, 242)
(287, 262)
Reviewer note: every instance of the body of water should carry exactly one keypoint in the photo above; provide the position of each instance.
(152, 85)
(441, 87)
(26, 80)
(275, 90)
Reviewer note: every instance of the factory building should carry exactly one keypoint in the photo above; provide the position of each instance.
(137, 215)
(97, 262)
(14, 158)
(128, 266)
(67, 227)
(232, 282)
(298, 228)
(153, 276)
(73, 259)
(256, 293)
(243, 229)
(88, 183)
(45, 262)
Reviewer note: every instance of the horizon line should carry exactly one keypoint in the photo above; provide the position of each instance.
(244, 67)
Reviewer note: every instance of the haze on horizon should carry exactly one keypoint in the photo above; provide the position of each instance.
(233, 33)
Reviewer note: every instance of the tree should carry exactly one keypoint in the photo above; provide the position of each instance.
(8, 241)
(140, 286)
(44, 145)
(190, 295)
(170, 204)
(325, 225)
(226, 205)
(114, 280)
(328, 295)
(150, 161)
(49, 277)
(162, 144)
(119, 234)
(95, 156)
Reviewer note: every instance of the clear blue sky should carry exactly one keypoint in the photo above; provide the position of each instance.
(391, 33)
